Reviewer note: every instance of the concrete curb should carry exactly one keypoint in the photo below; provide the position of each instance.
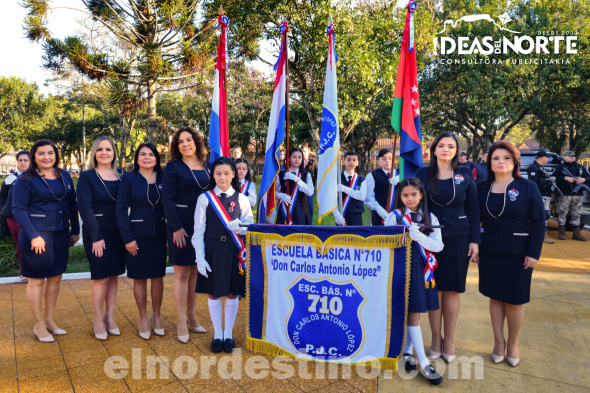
(68, 276)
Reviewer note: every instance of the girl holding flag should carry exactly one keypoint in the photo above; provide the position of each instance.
(246, 186)
(411, 210)
(299, 181)
(220, 250)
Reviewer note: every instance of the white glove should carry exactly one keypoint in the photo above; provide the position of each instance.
(234, 226)
(414, 231)
(340, 220)
(203, 267)
(390, 220)
(382, 212)
(284, 197)
(291, 176)
(341, 188)
(394, 180)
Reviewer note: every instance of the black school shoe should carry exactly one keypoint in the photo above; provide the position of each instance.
(431, 374)
(228, 345)
(216, 345)
(409, 362)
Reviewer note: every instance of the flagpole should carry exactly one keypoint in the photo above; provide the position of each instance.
(224, 68)
(286, 53)
(391, 174)
(339, 178)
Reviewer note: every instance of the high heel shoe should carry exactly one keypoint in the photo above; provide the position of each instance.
(446, 357)
(183, 339)
(512, 361)
(144, 335)
(112, 332)
(48, 339)
(198, 329)
(434, 354)
(158, 332)
(499, 358)
(100, 336)
(56, 332)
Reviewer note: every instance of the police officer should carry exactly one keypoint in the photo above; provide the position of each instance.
(536, 174)
(480, 172)
(568, 177)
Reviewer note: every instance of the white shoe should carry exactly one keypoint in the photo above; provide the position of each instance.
(183, 339)
(198, 329)
(112, 332)
(512, 361)
(434, 354)
(57, 332)
(100, 336)
(158, 332)
(48, 339)
(144, 335)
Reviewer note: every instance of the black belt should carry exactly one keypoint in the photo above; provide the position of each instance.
(220, 238)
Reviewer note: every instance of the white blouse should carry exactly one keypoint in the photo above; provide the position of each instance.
(306, 187)
(433, 242)
(198, 239)
(252, 197)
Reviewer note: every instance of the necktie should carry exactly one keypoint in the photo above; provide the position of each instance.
(414, 217)
(223, 195)
(349, 180)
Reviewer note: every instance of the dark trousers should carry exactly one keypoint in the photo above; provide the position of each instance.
(354, 219)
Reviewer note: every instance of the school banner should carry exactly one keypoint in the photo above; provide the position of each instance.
(331, 294)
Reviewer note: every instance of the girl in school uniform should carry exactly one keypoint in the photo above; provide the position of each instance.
(411, 209)
(220, 248)
(97, 197)
(185, 179)
(141, 221)
(22, 164)
(378, 183)
(452, 197)
(297, 181)
(512, 233)
(44, 205)
(247, 187)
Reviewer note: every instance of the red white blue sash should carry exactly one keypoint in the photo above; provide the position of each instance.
(430, 262)
(245, 188)
(225, 220)
(294, 196)
(347, 197)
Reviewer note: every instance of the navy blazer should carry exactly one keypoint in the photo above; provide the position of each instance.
(520, 229)
(144, 219)
(96, 207)
(36, 209)
(461, 216)
(180, 192)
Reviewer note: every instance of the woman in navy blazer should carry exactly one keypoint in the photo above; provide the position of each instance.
(141, 221)
(512, 233)
(452, 198)
(185, 178)
(97, 197)
(44, 205)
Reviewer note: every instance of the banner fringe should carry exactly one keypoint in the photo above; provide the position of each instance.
(270, 349)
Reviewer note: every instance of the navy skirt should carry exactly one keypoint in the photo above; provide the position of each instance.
(503, 277)
(112, 262)
(225, 277)
(181, 256)
(421, 299)
(52, 262)
(453, 262)
(150, 261)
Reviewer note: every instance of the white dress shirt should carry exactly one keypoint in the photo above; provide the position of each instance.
(305, 186)
(433, 242)
(198, 239)
(370, 199)
(251, 192)
(361, 194)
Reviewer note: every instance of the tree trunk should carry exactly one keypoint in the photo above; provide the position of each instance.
(123, 150)
(315, 131)
(152, 125)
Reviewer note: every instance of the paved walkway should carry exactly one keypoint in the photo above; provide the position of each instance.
(554, 346)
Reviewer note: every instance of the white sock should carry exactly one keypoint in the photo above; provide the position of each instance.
(215, 312)
(231, 310)
(416, 337)
(409, 348)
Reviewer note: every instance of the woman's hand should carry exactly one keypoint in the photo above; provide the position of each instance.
(38, 245)
(179, 238)
(473, 253)
(97, 248)
(132, 248)
(74, 239)
(530, 262)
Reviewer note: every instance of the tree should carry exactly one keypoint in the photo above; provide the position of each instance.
(171, 45)
(23, 113)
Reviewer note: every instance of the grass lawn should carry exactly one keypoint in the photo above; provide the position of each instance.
(78, 262)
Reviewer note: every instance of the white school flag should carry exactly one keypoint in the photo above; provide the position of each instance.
(329, 149)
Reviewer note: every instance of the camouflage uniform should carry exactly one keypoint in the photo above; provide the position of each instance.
(573, 203)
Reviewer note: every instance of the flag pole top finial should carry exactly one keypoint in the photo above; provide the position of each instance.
(221, 10)
(331, 21)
